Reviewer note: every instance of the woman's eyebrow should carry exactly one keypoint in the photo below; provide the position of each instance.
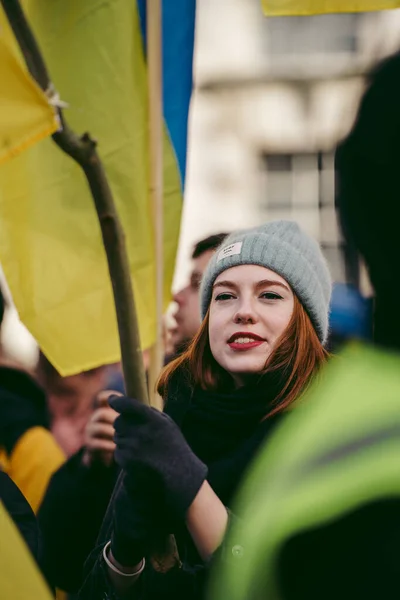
(269, 282)
(259, 284)
(228, 284)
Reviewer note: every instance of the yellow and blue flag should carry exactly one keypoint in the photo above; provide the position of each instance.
(283, 8)
(50, 242)
(178, 26)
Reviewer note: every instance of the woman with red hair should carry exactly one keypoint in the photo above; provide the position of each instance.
(264, 302)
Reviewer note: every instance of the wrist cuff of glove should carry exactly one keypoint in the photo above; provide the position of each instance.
(126, 551)
(191, 485)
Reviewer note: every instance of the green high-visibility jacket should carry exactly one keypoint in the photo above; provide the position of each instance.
(337, 451)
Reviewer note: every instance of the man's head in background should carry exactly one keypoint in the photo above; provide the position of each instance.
(187, 315)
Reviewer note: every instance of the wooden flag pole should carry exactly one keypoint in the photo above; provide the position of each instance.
(167, 556)
(154, 70)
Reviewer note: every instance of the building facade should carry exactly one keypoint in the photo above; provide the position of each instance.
(273, 96)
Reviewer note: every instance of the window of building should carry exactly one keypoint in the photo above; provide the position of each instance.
(279, 180)
(321, 34)
(301, 187)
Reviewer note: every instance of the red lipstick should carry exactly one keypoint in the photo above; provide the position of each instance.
(252, 340)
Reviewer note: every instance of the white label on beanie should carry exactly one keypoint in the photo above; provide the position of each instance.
(230, 250)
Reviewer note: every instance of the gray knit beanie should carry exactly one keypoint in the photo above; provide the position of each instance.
(285, 249)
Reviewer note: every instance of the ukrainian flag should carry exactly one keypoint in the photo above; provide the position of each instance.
(50, 241)
(274, 8)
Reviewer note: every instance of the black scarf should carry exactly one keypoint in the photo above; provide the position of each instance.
(225, 429)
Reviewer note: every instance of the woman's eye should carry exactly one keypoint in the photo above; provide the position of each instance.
(271, 296)
(223, 296)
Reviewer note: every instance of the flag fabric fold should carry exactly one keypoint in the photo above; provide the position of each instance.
(283, 8)
(25, 113)
(50, 240)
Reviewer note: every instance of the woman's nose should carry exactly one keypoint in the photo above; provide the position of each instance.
(245, 313)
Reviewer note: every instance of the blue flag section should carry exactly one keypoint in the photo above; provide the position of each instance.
(178, 24)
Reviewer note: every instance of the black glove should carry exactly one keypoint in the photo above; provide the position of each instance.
(148, 440)
(22, 406)
(139, 521)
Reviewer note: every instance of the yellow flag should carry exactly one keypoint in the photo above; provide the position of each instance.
(19, 576)
(50, 241)
(275, 8)
(25, 114)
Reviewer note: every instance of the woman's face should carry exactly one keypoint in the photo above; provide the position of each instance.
(251, 307)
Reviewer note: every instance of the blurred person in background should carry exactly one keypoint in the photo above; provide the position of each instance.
(326, 522)
(187, 315)
(264, 302)
(70, 401)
